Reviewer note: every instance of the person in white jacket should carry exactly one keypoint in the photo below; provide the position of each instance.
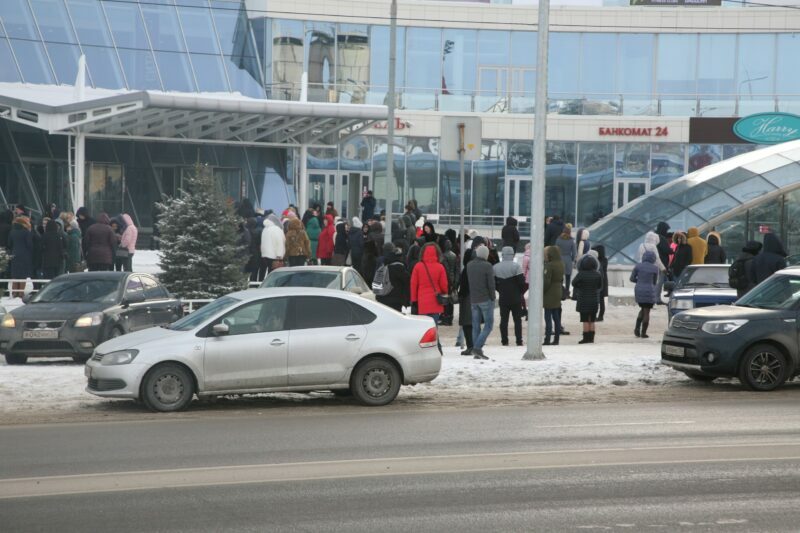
(650, 244)
(273, 243)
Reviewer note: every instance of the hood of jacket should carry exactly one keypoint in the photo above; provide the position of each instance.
(662, 228)
(511, 221)
(507, 253)
(651, 238)
(552, 253)
(103, 219)
(587, 263)
(330, 220)
(600, 250)
(295, 224)
(82, 211)
(713, 239)
(275, 220)
(693, 232)
(527, 250)
(752, 247)
(23, 222)
(126, 218)
(357, 223)
(649, 257)
(773, 245)
(341, 228)
(430, 255)
(313, 223)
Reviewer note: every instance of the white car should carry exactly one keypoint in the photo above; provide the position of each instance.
(270, 340)
(343, 278)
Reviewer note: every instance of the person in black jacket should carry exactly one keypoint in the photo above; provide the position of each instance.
(54, 250)
(510, 233)
(341, 245)
(739, 273)
(716, 254)
(465, 306)
(587, 284)
(85, 220)
(510, 285)
(400, 280)
(603, 260)
(368, 206)
(682, 256)
(769, 260)
(553, 229)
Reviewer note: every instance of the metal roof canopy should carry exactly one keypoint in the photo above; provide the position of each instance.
(185, 117)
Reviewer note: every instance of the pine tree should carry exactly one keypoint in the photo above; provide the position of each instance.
(199, 255)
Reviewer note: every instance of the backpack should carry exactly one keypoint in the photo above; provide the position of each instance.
(381, 283)
(737, 274)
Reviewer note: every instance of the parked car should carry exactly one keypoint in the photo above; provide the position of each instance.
(700, 286)
(755, 340)
(74, 313)
(323, 277)
(270, 340)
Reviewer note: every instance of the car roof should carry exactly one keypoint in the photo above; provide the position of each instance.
(253, 294)
(716, 265)
(87, 276)
(794, 270)
(318, 268)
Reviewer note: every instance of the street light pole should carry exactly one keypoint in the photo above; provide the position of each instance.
(390, 180)
(534, 349)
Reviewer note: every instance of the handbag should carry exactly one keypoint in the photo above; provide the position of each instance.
(122, 252)
(277, 263)
(442, 299)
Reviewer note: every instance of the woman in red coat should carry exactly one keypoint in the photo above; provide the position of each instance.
(427, 280)
(325, 245)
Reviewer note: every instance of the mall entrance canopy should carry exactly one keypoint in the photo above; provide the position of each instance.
(207, 118)
(704, 199)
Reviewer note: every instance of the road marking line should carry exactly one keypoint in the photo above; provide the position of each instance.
(619, 424)
(347, 469)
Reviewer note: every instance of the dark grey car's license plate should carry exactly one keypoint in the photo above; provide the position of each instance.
(674, 351)
(40, 334)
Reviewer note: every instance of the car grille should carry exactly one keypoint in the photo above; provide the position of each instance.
(685, 324)
(98, 356)
(101, 385)
(43, 324)
(35, 345)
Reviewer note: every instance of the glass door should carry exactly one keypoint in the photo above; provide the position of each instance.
(105, 188)
(629, 190)
(518, 197)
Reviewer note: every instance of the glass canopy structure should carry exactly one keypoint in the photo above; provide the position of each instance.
(707, 199)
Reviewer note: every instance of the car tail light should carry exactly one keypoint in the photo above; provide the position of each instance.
(430, 339)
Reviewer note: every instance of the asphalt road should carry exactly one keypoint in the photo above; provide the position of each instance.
(672, 466)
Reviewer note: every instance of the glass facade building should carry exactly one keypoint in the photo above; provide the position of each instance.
(613, 72)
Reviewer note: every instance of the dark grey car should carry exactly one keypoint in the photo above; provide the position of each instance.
(74, 313)
(755, 340)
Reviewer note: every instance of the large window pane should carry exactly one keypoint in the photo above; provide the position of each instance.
(424, 59)
(563, 67)
(756, 76)
(494, 48)
(635, 73)
(666, 163)
(53, 21)
(9, 71)
(422, 172)
(702, 155)
(210, 73)
(450, 188)
(127, 25)
(379, 58)
(520, 158)
(199, 30)
(676, 64)
(379, 183)
(175, 72)
(240, 74)
(488, 188)
(523, 49)
(632, 160)
(163, 27)
(596, 182)
(90, 23)
(65, 61)
(320, 48)
(104, 67)
(598, 63)
(716, 72)
(352, 63)
(140, 69)
(561, 174)
(787, 73)
(287, 55)
(32, 61)
(459, 53)
(17, 19)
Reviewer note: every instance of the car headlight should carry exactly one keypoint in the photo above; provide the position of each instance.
(681, 303)
(89, 319)
(122, 357)
(723, 327)
(8, 322)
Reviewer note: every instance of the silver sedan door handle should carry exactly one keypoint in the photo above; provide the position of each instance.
(277, 342)
(352, 337)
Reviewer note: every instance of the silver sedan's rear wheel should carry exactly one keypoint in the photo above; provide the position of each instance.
(375, 381)
(764, 368)
(167, 387)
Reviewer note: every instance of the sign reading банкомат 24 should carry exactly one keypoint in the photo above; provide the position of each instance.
(768, 128)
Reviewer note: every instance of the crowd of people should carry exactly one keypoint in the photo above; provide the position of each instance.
(62, 241)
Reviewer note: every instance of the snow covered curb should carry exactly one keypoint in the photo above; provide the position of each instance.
(59, 385)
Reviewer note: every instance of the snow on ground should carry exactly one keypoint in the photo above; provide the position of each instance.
(146, 261)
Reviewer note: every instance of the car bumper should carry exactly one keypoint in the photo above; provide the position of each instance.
(69, 342)
(422, 366)
(114, 381)
(712, 355)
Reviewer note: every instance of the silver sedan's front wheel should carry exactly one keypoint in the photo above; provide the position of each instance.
(167, 387)
(375, 381)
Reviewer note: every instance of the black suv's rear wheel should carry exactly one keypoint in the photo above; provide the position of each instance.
(763, 368)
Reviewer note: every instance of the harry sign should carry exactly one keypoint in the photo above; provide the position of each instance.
(768, 128)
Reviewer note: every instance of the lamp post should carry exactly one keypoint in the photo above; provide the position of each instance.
(390, 181)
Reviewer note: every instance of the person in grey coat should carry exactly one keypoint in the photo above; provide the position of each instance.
(645, 275)
(482, 296)
(569, 252)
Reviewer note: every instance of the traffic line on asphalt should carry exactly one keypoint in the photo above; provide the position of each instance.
(654, 423)
(403, 466)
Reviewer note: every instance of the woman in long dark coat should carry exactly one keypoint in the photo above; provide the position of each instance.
(587, 285)
(20, 246)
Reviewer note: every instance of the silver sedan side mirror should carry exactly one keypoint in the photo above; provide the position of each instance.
(220, 329)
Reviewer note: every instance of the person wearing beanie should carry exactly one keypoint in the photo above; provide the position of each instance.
(482, 296)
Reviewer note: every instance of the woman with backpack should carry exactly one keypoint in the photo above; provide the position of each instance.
(391, 283)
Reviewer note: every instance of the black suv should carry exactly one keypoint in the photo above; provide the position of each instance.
(755, 340)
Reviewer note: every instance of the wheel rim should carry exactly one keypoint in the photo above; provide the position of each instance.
(168, 388)
(765, 368)
(377, 382)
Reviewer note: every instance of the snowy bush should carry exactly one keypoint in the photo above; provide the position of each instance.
(199, 256)
(5, 259)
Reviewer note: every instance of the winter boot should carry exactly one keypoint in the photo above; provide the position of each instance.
(585, 339)
(546, 340)
(644, 330)
(591, 337)
(637, 329)
(555, 340)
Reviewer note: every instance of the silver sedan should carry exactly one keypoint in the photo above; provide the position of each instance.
(270, 340)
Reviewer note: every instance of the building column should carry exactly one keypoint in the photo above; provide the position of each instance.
(79, 178)
(302, 186)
